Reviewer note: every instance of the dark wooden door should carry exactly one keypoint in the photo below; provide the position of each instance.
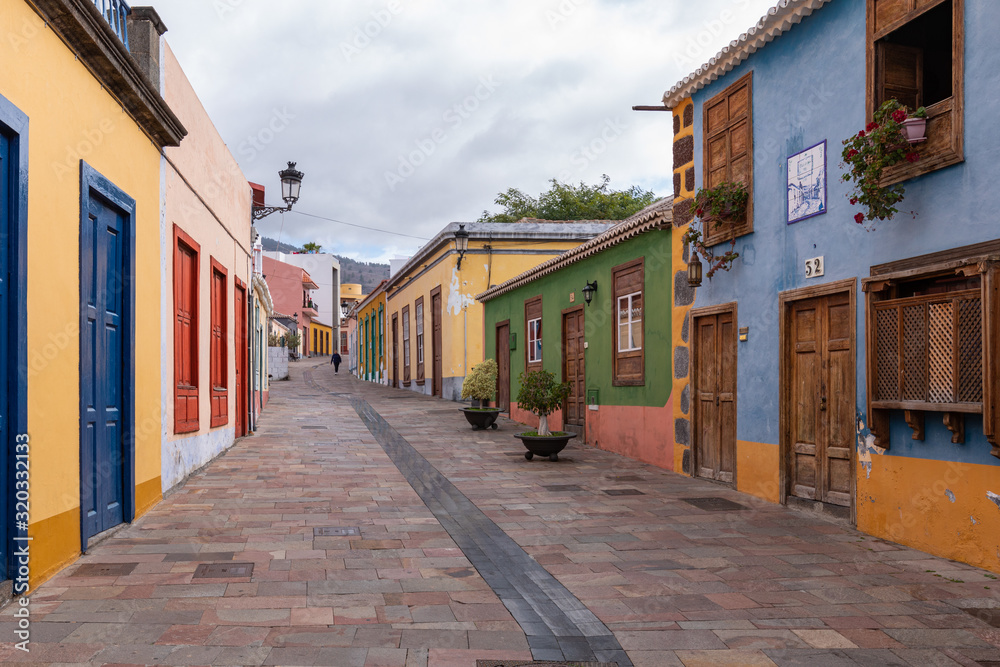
(436, 341)
(715, 396)
(395, 350)
(7, 337)
(573, 368)
(103, 274)
(503, 366)
(240, 337)
(822, 399)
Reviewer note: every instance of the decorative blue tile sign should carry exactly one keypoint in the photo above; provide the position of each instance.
(807, 183)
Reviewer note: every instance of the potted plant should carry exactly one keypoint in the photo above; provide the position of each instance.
(915, 126)
(881, 145)
(542, 395)
(479, 385)
(725, 204)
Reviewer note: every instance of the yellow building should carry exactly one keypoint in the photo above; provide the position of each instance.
(81, 134)
(321, 343)
(435, 325)
(370, 314)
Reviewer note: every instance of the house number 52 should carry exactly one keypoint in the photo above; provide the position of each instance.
(814, 267)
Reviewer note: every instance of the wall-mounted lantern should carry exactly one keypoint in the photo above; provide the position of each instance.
(694, 270)
(588, 291)
(291, 183)
(461, 244)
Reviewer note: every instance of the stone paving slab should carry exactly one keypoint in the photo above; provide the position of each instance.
(674, 584)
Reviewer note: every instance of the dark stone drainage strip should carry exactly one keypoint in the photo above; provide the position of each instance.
(559, 627)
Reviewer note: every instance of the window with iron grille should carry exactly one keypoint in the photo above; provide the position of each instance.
(933, 325)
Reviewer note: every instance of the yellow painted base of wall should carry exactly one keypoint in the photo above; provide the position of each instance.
(757, 466)
(907, 500)
(55, 541)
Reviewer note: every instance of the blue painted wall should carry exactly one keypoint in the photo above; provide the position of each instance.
(809, 85)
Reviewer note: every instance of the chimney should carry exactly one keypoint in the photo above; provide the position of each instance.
(144, 30)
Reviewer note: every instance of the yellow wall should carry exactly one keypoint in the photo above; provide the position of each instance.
(462, 317)
(680, 313)
(72, 118)
(322, 334)
(370, 309)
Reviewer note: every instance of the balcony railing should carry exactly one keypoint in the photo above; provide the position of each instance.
(115, 12)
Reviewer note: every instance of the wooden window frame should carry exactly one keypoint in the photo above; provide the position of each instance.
(418, 322)
(186, 392)
(406, 345)
(529, 305)
(219, 353)
(618, 354)
(981, 259)
(715, 235)
(946, 118)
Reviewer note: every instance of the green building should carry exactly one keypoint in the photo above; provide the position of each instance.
(599, 317)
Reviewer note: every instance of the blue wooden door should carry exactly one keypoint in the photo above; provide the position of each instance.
(103, 281)
(7, 352)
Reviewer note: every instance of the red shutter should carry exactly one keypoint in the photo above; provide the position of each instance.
(185, 332)
(219, 358)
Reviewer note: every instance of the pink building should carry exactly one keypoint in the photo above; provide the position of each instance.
(291, 293)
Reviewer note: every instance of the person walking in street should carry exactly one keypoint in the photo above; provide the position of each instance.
(335, 360)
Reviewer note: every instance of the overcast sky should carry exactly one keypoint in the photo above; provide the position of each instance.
(408, 115)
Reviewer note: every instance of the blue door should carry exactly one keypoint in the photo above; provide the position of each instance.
(104, 281)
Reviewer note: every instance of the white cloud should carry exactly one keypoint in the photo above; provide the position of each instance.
(371, 83)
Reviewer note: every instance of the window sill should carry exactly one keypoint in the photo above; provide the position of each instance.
(942, 148)
(628, 383)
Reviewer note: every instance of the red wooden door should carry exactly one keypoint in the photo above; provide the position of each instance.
(573, 368)
(715, 396)
(436, 340)
(822, 399)
(395, 351)
(240, 322)
(503, 366)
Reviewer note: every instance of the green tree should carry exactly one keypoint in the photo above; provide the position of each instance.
(311, 247)
(571, 202)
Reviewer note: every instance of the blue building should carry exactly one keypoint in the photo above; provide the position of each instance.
(853, 368)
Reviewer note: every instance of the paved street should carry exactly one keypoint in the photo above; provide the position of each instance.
(383, 531)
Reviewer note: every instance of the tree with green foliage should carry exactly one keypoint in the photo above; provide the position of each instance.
(311, 247)
(571, 202)
(542, 395)
(480, 384)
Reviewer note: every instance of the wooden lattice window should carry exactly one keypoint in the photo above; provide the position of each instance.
(915, 54)
(933, 326)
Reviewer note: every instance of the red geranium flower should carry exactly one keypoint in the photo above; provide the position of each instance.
(854, 200)
(912, 157)
(859, 218)
(699, 212)
(872, 126)
(851, 153)
(861, 133)
(899, 115)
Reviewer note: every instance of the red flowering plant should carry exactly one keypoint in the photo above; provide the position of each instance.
(868, 154)
(725, 204)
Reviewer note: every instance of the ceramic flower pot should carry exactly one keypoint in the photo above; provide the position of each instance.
(915, 129)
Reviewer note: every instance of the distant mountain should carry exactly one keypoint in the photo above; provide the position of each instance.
(368, 274)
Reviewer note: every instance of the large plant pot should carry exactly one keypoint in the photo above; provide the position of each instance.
(545, 445)
(482, 417)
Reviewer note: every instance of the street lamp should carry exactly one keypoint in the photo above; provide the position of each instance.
(461, 244)
(344, 308)
(291, 183)
(588, 291)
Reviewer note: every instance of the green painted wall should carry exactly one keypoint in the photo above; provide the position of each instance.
(599, 321)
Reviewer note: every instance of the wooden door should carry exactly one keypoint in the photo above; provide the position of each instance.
(105, 340)
(395, 350)
(240, 337)
(573, 368)
(715, 395)
(8, 340)
(503, 365)
(436, 340)
(821, 404)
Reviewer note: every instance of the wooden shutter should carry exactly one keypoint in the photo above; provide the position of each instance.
(185, 287)
(629, 364)
(406, 345)
(728, 148)
(218, 352)
(418, 317)
(532, 311)
(900, 74)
